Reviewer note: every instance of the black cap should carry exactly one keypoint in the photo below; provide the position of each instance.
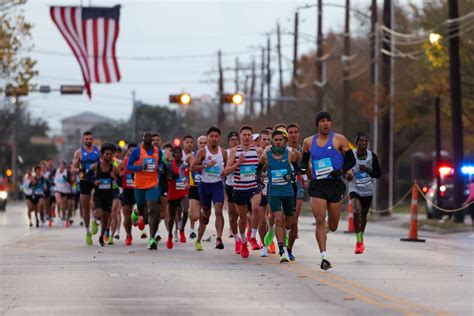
(359, 136)
(321, 115)
(232, 134)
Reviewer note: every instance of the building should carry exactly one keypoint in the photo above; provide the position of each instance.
(72, 129)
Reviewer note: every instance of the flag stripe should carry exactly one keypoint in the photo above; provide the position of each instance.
(95, 49)
(114, 56)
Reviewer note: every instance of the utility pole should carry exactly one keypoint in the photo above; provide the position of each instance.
(345, 72)
(438, 149)
(220, 112)
(252, 91)
(14, 157)
(319, 63)
(262, 83)
(391, 140)
(269, 75)
(295, 56)
(280, 70)
(237, 88)
(456, 107)
(386, 74)
(374, 55)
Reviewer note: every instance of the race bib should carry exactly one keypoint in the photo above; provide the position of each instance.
(247, 173)
(197, 178)
(150, 164)
(39, 191)
(129, 180)
(362, 178)
(278, 177)
(105, 184)
(322, 168)
(181, 184)
(213, 172)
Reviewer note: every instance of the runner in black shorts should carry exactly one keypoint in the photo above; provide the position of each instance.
(128, 196)
(361, 186)
(233, 140)
(331, 157)
(103, 173)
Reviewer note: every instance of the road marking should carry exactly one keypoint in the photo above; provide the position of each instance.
(365, 294)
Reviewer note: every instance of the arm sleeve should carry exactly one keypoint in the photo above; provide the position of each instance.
(134, 156)
(258, 172)
(305, 162)
(349, 161)
(296, 167)
(376, 172)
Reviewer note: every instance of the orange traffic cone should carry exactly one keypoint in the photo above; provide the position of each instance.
(413, 233)
(350, 219)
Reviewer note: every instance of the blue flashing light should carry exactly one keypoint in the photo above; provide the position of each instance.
(467, 169)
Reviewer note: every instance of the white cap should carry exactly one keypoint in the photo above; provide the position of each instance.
(255, 136)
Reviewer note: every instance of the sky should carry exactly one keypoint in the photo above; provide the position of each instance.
(172, 31)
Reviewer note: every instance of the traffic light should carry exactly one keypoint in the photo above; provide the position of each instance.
(445, 170)
(234, 98)
(121, 143)
(183, 98)
(9, 172)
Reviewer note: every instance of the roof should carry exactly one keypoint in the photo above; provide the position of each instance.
(86, 117)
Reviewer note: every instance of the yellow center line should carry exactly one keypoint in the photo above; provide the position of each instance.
(375, 297)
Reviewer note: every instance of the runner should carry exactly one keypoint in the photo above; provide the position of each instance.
(71, 196)
(279, 161)
(331, 157)
(178, 187)
(188, 145)
(116, 218)
(84, 158)
(62, 189)
(163, 180)
(194, 180)
(128, 195)
(49, 171)
(361, 186)
(266, 225)
(211, 161)
(144, 161)
(243, 161)
(104, 174)
(293, 130)
(233, 140)
(28, 191)
(39, 185)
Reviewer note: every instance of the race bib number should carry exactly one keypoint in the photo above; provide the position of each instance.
(181, 184)
(213, 172)
(129, 180)
(247, 173)
(322, 168)
(39, 191)
(197, 178)
(150, 164)
(362, 178)
(105, 184)
(278, 177)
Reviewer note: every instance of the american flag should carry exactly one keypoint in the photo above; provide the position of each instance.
(92, 33)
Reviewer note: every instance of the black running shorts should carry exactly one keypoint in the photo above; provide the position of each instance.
(327, 189)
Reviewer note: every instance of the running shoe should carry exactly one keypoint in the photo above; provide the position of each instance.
(272, 247)
(325, 264)
(128, 241)
(50, 223)
(89, 239)
(192, 235)
(169, 243)
(110, 241)
(117, 236)
(290, 255)
(158, 237)
(95, 227)
(101, 241)
(81, 223)
(141, 223)
(143, 235)
(134, 218)
(244, 250)
(31, 224)
(359, 249)
(219, 243)
(254, 244)
(249, 234)
(37, 224)
(198, 245)
(284, 258)
(152, 244)
(182, 237)
(238, 246)
(264, 251)
(267, 241)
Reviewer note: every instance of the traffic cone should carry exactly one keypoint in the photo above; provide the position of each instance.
(350, 219)
(413, 233)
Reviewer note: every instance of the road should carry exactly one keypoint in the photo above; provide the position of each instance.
(51, 271)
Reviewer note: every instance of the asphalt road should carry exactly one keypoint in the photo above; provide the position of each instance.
(52, 271)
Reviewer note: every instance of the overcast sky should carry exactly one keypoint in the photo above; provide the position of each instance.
(169, 29)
